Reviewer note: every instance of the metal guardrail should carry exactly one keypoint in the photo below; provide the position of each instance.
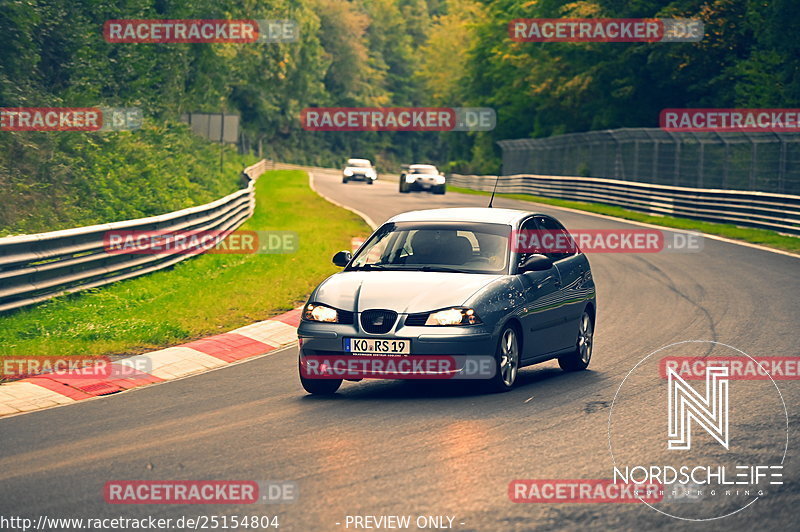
(764, 161)
(763, 210)
(34, 268)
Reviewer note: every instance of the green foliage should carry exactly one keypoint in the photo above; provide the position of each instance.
(746, 59)
(453, 53)
(50, 182)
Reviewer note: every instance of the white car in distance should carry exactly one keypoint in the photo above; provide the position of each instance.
(359, 170)
(422, 177)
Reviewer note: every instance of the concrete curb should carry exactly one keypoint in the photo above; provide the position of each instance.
(59, 388)
(199, 356)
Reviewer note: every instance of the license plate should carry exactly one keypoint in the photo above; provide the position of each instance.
(374, 346)
(426, 185)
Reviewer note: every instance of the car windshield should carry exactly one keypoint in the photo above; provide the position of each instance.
(359, 164)
(465, 247)
(424, 170)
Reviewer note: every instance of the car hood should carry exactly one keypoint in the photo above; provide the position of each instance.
(403, 292)
(358, 169)
(423, 175)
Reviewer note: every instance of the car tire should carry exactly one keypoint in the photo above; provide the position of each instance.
(344, 180)
(579, 359)
(507, 357)
(439, 189)
(370, 181)
(403, 188)
(319, 386)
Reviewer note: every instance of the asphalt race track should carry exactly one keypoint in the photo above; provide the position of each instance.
(401, 448)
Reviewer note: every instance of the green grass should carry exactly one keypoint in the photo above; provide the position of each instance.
(755, 236)
(204, 295)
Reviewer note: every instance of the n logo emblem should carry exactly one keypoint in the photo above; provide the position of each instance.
(686, 405)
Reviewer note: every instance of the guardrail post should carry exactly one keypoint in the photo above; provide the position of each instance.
(726, 163)
(782, 165)
(655, 160)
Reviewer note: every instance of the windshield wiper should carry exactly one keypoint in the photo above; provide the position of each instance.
(372, 267)
(441, 269)
(406, 268)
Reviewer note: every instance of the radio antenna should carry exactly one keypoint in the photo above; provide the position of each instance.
(493, 191)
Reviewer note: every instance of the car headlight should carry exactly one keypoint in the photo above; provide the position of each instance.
(453, 316)
(410, 179)
(440, 179)
(348, 172)
(314, 312)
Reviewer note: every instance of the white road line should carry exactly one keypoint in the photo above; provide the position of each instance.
(366, 218)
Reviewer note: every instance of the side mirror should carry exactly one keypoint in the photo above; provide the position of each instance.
(535, 263)
(342, 258)
(441, 173)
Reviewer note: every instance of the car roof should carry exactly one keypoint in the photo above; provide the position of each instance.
(464, 214)
(421, 166)
(358, 161)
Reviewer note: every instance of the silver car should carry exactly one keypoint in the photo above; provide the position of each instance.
(451, 282)
(359, 170)
(422, 177)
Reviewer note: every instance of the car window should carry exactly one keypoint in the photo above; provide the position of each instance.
(470, 247)
(545, 224)
(424, 170)
(528, 227)
(378, 251)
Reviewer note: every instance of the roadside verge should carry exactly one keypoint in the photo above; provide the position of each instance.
(191, 358)
(60, 388)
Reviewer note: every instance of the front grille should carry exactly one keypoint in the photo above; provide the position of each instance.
(378, 321)
(345, 316)
(417, 320)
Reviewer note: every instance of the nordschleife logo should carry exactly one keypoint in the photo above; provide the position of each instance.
(727, 433)
(709, 410)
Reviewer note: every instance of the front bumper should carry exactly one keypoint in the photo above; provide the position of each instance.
(328, 338)
(359, 177)
(424, 184)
